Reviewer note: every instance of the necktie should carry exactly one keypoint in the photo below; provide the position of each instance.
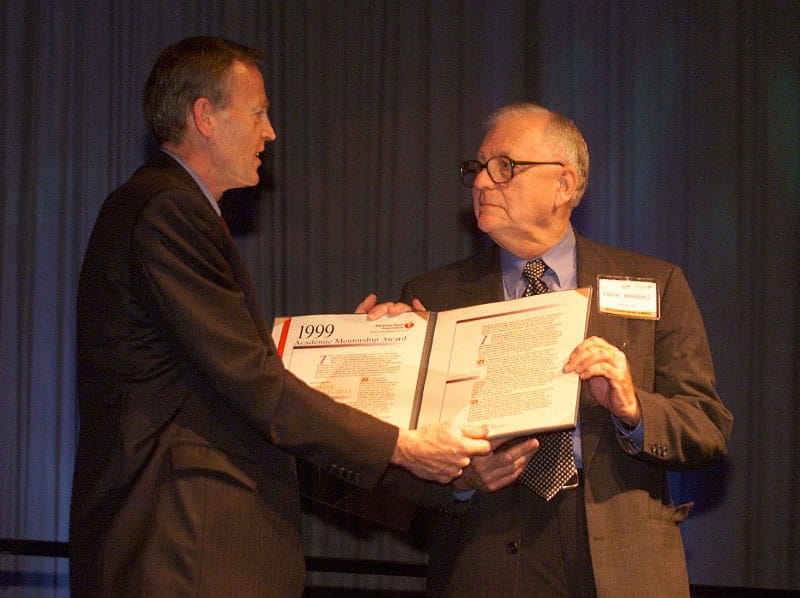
(554, 463)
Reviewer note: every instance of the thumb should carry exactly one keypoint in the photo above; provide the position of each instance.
(367, 304)
(416, 304)
(474, 430)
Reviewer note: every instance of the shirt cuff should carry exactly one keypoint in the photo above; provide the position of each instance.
(633, 438)
(463, 495)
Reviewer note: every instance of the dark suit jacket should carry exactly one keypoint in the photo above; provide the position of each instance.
(636, 547)
(185, 479)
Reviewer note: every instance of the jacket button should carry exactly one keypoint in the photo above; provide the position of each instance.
(512, 547)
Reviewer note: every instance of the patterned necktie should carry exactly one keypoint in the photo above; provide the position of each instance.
(553, 464)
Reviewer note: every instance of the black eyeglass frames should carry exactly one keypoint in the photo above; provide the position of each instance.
(500, 169)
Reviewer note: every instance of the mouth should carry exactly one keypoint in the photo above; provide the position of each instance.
(488, 204)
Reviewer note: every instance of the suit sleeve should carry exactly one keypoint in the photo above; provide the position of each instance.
(685, 423)
(190, 273)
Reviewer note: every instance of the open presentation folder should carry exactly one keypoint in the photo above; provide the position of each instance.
(498, 364)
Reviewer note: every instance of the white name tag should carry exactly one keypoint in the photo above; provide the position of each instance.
(628, 297)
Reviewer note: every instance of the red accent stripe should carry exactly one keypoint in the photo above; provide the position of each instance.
(284, 334)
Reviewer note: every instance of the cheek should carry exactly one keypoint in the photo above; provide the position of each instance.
(520, 212)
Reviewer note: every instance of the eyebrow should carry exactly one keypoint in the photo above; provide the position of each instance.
(482, 157)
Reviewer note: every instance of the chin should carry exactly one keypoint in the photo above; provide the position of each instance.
(484, 224)
(251, 181)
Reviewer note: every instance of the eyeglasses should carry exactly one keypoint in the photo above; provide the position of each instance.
(500, 169)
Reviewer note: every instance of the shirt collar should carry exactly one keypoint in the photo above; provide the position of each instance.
(206, 191)
(561, 273)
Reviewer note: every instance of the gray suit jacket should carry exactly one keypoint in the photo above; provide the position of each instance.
(185, 479)
(635, 542)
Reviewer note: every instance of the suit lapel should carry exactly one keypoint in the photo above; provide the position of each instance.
(591, 263)
(163, 161)
(482, 281)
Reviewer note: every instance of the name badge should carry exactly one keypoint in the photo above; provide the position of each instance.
(628, 297)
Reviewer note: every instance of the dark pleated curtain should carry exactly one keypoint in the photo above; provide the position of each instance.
(691, 114)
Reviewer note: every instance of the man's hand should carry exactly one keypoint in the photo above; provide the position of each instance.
(609, 377)
(439, 452)
(375, 310)
(499, 468)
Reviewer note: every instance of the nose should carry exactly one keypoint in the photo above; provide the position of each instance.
(268, 132)
(483, 180)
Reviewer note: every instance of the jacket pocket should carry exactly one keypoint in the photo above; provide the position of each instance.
(670, 513)
(200, 460)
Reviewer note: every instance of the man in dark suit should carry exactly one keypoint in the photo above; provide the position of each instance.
(648, 403)
(185, 481)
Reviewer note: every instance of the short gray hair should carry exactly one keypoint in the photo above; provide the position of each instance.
(562, 134)
(193, 68)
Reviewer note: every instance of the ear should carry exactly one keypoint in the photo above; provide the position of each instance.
(567, 184)
(202, 116)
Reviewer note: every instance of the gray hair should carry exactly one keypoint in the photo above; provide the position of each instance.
(562, 134)
(193, 68)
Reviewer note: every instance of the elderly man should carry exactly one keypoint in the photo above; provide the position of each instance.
(648, 403)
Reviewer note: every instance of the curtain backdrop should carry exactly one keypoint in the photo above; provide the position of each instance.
(691, 113)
